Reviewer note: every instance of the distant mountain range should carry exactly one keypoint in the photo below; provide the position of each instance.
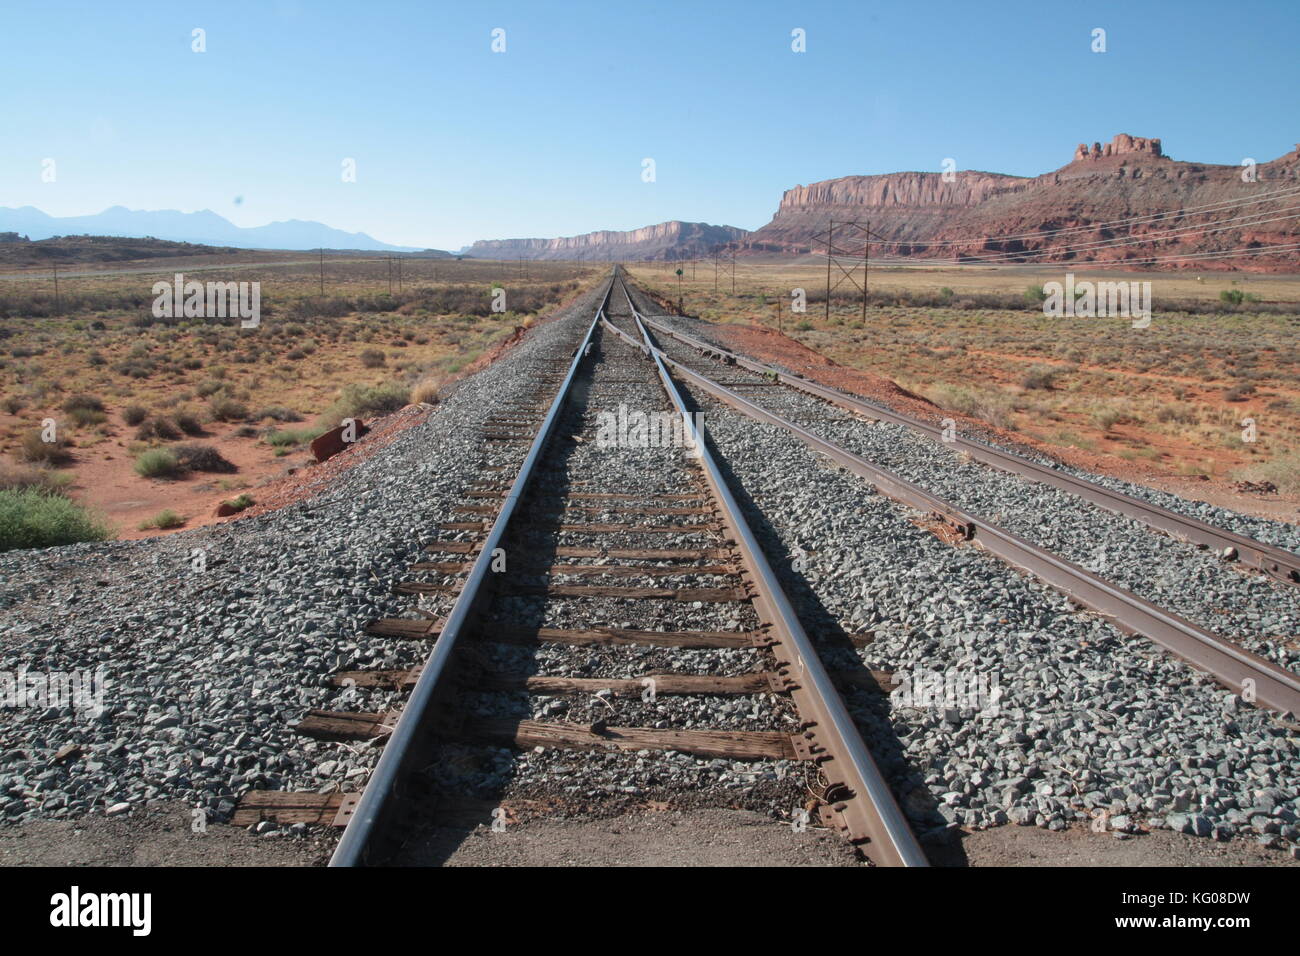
(1122, 203)
(205, 227)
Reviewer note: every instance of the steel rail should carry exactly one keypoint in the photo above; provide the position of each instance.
(375, 809)
(863, 804)
(1276, 562)
(1246, 673)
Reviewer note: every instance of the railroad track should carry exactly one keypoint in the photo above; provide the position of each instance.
(1236, 667)
(1278, 563)
(618, 588)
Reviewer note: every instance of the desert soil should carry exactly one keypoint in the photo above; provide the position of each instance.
(702, 837)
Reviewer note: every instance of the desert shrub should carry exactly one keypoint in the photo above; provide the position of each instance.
(293, 436)
(209, 387)
(372, 358)
(134, 414)
(161, 428)
(279, 413)
(1040, 376)
(135, 367)
(361, 401)
(425, 391)
(1107, 418)
(32, 518)
(162, 520)
(35, 449)
(228, 410)
(195, 456)
(1231, 296)
(86, 417)
(157, 463)
(83, 402)
(189, 422)
(240, 503)
(1239, 392)
(17, 477)
(13, 404)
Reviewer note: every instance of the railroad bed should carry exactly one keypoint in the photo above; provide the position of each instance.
(257, 683)
(615, 622)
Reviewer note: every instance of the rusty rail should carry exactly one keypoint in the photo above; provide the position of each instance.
(378, 803)
(864, 807)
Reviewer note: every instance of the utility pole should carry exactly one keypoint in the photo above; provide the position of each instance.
(388, 261)
(733, 271)
(834, 254)
(399, 276)
(58, 310)
(776, 301)
(322, 272)
(830, 251)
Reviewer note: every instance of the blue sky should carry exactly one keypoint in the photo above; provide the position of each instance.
(455, 143)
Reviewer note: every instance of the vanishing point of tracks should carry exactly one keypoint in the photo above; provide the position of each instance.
(572, 551)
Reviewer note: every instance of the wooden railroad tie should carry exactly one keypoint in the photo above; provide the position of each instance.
(285, 807)
(705, 595)
(346, 725)
(588, 570)
(733, 744)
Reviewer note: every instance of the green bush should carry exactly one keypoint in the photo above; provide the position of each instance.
(30, 518)
(293, 436)
(162, 520)
(361, 401)
(1231, 296)
(157, 463)
(240, 503)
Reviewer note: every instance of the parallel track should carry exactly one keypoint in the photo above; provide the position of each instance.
(1240, 670)
(1276, 562)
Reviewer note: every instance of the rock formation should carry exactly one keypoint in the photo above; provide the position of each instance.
(1004, 219)
(1119, 146)
(667, 240)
